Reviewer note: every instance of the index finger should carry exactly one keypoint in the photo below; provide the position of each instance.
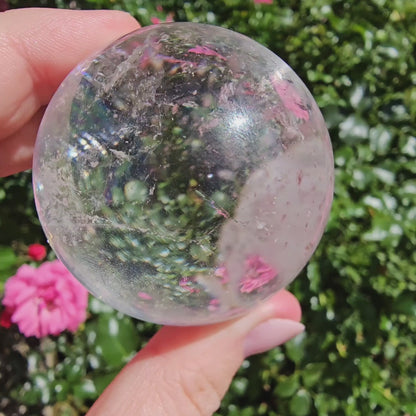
(38, 48)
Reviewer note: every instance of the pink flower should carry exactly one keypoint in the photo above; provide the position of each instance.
(156, 20)
(263, 1)
(36, 252)
(203, 50)
(46, 300)
(257, 274)
(5, 317)
(290, 97)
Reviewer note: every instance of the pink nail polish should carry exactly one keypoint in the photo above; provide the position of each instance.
(270, 334)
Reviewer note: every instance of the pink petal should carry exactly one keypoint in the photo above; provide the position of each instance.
(17, 292)
(50, 322)
(75, 323)
(30, 328)
(25, 311)
(25, 273)
(26, 318)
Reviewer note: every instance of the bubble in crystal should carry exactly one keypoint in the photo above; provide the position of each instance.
(184, 174)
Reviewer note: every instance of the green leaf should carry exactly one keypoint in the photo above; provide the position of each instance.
(312, 373)
(287, 386)
(64, 409)
(28, 395)
(409, 147)
(410, 408)
(385, 176)
(406, 304)
(61, 388)
(332, 115)
(295, 348)
(74, 371)
(300, 403)
(85, 390)
(380, 139)
(381, 397)
(8, 265)
(43, 385)
(326, 403)
(97, 306)
(353, 129)
(356, 95)
(7, 258)
(239, 386)
(116, 339)
(101, 381)
(359, 99)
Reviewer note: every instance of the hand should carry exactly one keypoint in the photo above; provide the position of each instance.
(183, 370)
(38, 48)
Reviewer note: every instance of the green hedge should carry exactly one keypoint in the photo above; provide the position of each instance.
(358, 293)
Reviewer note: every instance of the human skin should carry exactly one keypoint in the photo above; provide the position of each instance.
(182, 370)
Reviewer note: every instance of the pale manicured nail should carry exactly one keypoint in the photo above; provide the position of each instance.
(270, 334)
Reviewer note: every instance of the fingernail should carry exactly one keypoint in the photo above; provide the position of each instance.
(270, 334)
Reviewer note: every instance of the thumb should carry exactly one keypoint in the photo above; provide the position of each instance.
(187, 370)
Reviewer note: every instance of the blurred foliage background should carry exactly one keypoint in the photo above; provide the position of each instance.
(358, 355)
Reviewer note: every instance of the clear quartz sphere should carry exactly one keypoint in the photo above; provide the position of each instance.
(184, 174)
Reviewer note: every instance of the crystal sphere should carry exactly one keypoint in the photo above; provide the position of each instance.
(183, 174)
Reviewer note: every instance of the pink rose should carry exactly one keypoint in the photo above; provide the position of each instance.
(5, 317)
(45, 300)
(37, 252)
(263, 1)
